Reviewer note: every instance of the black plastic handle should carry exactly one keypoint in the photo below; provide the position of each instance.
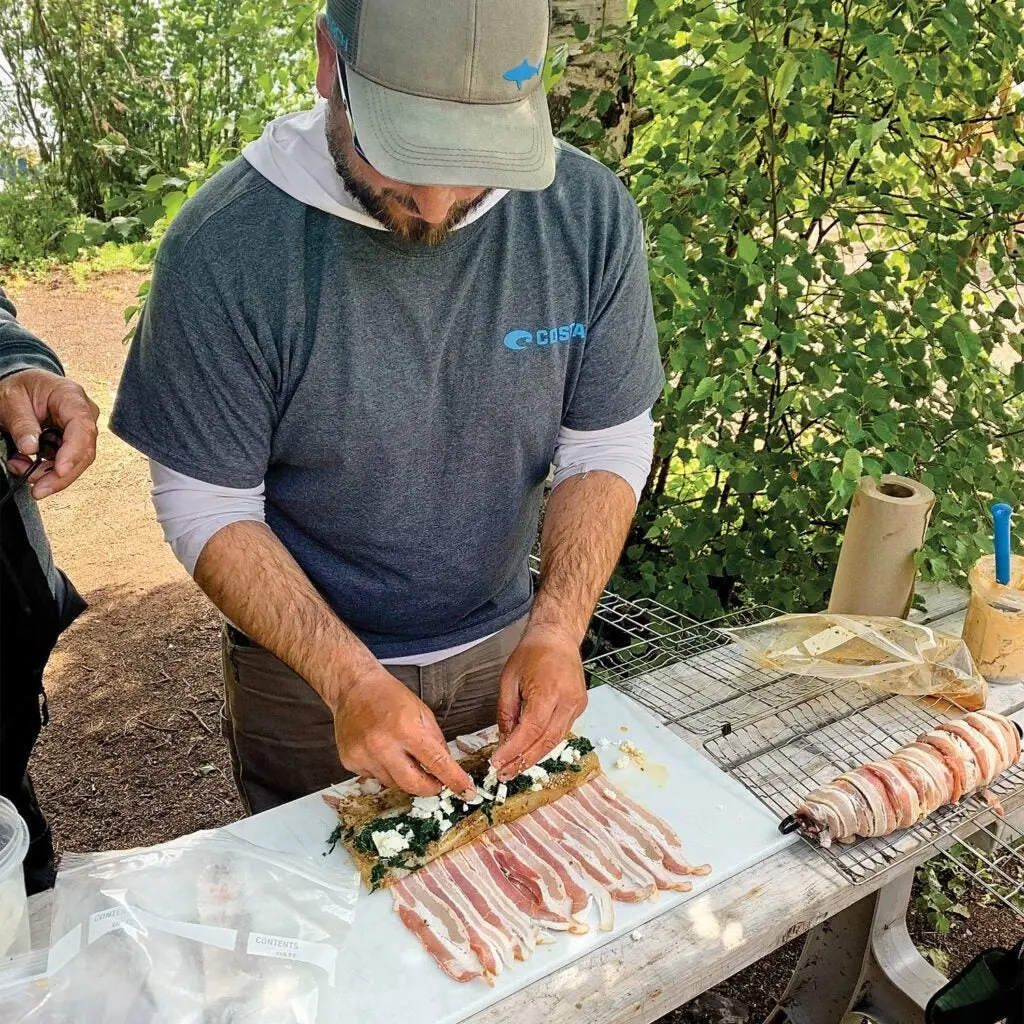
(788, 825)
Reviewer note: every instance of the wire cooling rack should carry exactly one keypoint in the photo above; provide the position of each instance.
(782, 735)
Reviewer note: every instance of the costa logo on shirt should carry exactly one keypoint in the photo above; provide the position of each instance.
(518, 340)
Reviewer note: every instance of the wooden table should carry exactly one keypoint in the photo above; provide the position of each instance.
(858, 952)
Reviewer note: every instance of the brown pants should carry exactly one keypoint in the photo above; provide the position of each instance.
(281, 734)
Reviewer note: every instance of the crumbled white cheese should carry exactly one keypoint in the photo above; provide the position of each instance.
(424, 806)
(439, 815)
(370, 787)
(446, 805)
(537, 773)
(554, 755)
(499, 797)
(636, 935)
(566, 755)
(604, 743)
(536, 787)
(622, 762)
(390, 842)
(465, 807)
(491, 778)
(475, 800)
(445, 824)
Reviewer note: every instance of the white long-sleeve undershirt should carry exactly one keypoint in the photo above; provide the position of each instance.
(191, 511)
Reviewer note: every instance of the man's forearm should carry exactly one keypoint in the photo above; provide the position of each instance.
(250, 576)
(585, 527)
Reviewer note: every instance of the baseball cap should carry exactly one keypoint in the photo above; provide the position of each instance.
(448, 92)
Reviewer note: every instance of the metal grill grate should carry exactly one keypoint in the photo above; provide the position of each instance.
(782, 735)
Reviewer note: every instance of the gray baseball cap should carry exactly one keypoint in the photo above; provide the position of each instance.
(448, 92)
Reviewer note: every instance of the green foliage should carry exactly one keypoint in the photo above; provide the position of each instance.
(35, 214)
(942, 888)
(831, 192)
(113, 91)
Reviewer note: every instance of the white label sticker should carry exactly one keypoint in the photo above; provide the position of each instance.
(282, 948)
(63, 950)
(130, 919)
(824, 641)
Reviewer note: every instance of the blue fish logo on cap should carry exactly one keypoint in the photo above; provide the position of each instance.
(522, 73)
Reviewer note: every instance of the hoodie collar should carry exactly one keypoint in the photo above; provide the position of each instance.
(292, 154)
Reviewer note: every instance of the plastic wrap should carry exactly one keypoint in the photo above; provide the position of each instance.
(882, 653)
(206, 928)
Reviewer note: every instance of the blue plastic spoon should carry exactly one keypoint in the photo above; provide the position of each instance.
(1001, 513)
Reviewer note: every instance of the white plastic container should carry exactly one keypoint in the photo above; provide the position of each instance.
(15, 937)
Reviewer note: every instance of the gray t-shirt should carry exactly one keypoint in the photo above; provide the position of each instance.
(400, 401)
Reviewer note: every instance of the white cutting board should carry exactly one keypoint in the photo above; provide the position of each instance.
(385, 977)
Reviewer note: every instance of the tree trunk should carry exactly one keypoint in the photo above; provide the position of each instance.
(597, 70)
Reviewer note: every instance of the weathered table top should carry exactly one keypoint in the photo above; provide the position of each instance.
(703, 942)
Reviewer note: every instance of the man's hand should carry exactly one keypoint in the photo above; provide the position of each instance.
(542, 692)
(387, 733)
(33, 399)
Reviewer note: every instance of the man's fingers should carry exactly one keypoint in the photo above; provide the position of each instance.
(411, 778)
(18, 418)
(72, 411)
(508, 707)
(555, 730)
(74, 457)
(532, 731)
(18, 465)
(437, 760)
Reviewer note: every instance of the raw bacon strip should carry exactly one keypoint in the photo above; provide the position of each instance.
(575, 842)
(985, 755)
(671, 845)
(996, 735)
(928, 795)
(865, 819)
(474, 741)
(870, 787)
(521, 924)
(901, 793)
(601, 861)
(633, 835)
(960, 752)
(820, 820)
(472, 903)
(951, 758)
(522, 944)
(1009, 730)
(634, 841)
(518, 865)
(440, 932)
(488, 951)
(839, 808)
(633, 857)
(568, 870)
(930, 761)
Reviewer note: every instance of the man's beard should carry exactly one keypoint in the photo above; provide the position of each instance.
(412, 229)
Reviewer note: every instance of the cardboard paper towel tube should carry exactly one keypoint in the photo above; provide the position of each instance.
(887, 524)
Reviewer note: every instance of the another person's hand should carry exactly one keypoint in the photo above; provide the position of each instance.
(543, 691)
(31, 400)
(387, 733)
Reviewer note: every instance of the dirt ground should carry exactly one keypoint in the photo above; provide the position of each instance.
(132, 755)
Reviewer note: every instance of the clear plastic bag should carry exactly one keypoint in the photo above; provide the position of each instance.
(205, 928)
(885, 654)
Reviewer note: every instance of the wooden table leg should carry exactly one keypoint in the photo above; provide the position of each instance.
(863, 958)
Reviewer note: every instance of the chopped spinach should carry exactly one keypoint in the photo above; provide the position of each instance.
(424, 831)
(333, 839)
(380, 869)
